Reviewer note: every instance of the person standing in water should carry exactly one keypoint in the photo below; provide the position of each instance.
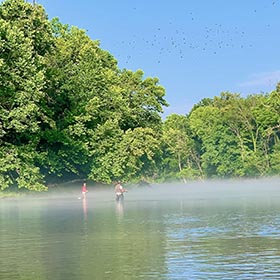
(119, 191)
(84, 189)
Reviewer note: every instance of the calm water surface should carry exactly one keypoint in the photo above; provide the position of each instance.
(215, 231)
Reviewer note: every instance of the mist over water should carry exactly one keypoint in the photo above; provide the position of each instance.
(217, 229)
(234, 189)
(212, 190)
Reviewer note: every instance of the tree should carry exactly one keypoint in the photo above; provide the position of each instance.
(25, 37)
(219, 154)
(179, 142)
(95, 107)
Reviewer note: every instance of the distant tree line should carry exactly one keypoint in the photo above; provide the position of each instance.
(68, 112)
(227, 136)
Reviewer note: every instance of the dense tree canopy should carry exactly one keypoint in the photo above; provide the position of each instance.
(25, 38)
(239, 136)
(68, 112)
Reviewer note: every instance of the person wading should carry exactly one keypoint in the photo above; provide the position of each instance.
(84, 189)
(119, 191)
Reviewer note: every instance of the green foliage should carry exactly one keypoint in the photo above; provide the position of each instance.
(17, 167)
(182, 154)
(68, 111)
(65, 97)
(238, 135)
(25, 37)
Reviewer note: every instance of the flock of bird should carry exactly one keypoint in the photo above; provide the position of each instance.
(171, 39)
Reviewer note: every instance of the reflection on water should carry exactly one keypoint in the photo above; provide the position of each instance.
(223, 243)
(85, 223)
(120, 209)
(85, 207)
(200, 234)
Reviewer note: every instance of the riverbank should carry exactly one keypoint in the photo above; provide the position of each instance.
(10, 194)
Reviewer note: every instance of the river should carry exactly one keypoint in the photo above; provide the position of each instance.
(217, 230)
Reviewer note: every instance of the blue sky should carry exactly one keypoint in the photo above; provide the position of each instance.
(197, 48)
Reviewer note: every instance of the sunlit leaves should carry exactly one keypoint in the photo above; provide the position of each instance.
(22, 45)
(238, 134)
(18, 168)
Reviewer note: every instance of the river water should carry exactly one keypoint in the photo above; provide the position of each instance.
(225, 230)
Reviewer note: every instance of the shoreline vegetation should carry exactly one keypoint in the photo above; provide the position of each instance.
(67, 111)
(11, 194)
